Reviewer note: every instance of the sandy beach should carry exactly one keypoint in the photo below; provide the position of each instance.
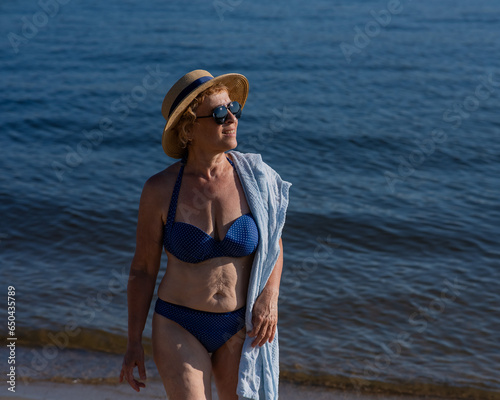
(154, 390)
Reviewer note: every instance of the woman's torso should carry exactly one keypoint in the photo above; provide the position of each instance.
(216, 284)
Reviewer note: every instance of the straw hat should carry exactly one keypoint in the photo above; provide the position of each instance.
(184, 91)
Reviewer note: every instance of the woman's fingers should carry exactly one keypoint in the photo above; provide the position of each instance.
(142, 371)
(273, 333)
(264, 320)
(129, 376)
(127, 372)
(134, 356)
(257, 324)
(257, 333)
(263, 331)
(267, 334)
(135, 384)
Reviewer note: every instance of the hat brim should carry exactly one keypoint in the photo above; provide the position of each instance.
(237, 85)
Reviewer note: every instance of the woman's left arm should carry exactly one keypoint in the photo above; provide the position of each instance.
(265, 309)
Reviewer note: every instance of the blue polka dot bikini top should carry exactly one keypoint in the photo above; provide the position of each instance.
(191, 244)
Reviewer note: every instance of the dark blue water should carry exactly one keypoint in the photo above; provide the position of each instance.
(388, 130)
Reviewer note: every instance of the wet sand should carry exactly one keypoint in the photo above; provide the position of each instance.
(154, 390)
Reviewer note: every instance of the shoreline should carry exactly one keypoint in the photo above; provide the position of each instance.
(81, 374)
(46, 390)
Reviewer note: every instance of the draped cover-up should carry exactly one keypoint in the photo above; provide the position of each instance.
(267, 197)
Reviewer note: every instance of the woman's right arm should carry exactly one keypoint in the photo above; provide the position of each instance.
(142, 279)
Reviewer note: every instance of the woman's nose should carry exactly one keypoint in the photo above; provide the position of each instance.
(230, 117)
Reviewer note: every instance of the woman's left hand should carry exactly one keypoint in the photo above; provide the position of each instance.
(264, 318)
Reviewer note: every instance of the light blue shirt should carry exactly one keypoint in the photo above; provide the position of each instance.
(267, 197)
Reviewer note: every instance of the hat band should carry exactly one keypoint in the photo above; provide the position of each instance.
(188, 89)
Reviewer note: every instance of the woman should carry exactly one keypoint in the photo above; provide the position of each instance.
(219, 216)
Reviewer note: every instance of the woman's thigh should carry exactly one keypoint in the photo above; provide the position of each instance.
(182, 361)
(225, 366)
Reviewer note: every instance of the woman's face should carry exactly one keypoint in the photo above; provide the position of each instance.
(209, 136)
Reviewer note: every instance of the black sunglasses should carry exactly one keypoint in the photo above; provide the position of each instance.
(220, 113)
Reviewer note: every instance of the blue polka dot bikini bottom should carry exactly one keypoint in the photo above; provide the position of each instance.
(211, 329)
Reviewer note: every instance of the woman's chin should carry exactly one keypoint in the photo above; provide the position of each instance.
(231, 141)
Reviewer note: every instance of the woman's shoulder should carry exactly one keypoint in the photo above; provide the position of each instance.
(162, 181)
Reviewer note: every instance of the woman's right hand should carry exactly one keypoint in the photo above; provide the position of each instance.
(134, 357)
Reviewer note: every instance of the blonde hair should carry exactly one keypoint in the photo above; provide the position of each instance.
(188, 118)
